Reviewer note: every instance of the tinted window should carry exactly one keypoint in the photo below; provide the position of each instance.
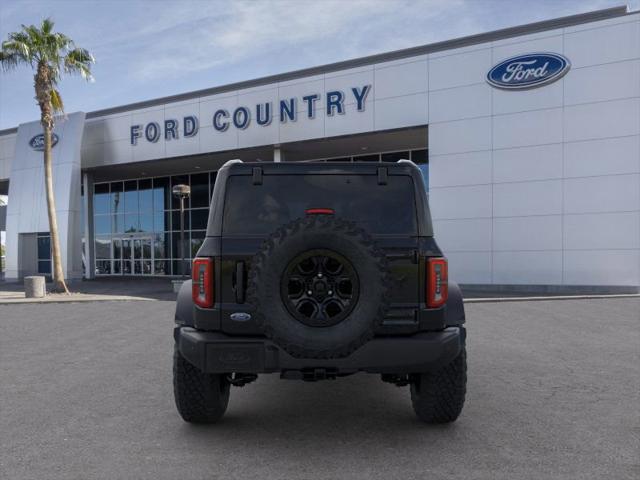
(260, 209)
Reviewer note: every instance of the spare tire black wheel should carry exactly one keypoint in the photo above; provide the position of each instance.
(319, 287)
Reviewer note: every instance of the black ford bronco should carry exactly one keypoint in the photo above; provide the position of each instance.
(317, 271)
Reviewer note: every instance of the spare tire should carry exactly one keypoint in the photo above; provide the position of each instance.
(318, 287)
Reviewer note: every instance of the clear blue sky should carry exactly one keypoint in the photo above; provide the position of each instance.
(149, 49)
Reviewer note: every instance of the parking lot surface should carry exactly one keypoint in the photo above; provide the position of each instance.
(85, 392)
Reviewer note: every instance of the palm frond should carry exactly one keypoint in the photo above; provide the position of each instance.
(19, 47)
(9, 61)
(47, 26)
(56, 101)
(34, 34)
(79, 61)
(63, 42)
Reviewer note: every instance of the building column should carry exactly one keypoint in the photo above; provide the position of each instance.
(277, 154)
(87, 222)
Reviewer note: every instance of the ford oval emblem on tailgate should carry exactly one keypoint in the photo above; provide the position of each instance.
(240, 317)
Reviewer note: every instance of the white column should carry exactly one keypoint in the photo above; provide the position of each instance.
(277, 155)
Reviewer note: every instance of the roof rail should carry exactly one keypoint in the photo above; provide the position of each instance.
(403, 160)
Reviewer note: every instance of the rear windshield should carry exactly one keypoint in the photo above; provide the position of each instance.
(260, 209)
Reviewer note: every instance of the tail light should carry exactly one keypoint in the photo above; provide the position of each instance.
(202, 282)
(437, 282)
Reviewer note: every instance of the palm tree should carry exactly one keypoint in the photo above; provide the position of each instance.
(50, 55)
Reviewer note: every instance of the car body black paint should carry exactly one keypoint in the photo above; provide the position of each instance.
(406, 252)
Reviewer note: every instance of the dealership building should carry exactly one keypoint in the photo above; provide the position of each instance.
(528, 138)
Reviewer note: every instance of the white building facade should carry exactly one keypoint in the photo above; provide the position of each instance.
(534, 182)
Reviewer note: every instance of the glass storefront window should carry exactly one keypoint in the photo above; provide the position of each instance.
(44, 247)
(176, 267)
(117, 248)
(175, 245)
(160, 245)
(200, 190)
(145, 195)
(44, 253)
(161, 222)
(196, 242)
(103, 247)
(101, 199)
(117, 223)
(162, 267)
(131, 203)
(102, 224)
(146, 222)
(131, 223)
(175, 220)
(199, 218)
(419, 156)
(116, 197)
(44, 266)
(103, 267)
(161, 194)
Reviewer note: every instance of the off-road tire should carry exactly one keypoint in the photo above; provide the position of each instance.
(306, 234)
(200, 397)
(438, 397)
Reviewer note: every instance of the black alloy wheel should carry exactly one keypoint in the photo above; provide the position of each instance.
(320, 288)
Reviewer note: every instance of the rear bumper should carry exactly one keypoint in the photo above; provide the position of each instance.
(215, 352)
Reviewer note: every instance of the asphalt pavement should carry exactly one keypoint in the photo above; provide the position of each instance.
(85, 393)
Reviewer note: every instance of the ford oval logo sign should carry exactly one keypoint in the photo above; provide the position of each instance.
(528, 71)
(37, 142)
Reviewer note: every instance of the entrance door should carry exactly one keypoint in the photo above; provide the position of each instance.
(142, 261)
(133, 256)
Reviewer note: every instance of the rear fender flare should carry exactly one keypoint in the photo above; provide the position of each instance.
(455, 306)
(184, 305)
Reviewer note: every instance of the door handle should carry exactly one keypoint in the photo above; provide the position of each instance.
(240, 282)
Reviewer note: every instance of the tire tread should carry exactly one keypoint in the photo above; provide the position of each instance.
(200, 397)
(438, 397)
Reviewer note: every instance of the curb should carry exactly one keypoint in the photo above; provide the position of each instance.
(20, 301)
(549, 298)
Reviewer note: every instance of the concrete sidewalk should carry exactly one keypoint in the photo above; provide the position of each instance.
(104, 289)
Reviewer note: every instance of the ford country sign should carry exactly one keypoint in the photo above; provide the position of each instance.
(528, 71)
(37, 142)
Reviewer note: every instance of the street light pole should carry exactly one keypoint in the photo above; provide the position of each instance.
(181, 192)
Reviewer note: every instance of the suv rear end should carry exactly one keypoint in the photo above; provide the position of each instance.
(320, 270)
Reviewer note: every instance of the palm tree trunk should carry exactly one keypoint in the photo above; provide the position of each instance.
(59, 284)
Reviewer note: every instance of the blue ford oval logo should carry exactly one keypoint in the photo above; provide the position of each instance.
(37, 142)
(240, 316)
(528, 71)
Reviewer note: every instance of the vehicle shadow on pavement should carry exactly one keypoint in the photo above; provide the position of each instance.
(331, 409)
